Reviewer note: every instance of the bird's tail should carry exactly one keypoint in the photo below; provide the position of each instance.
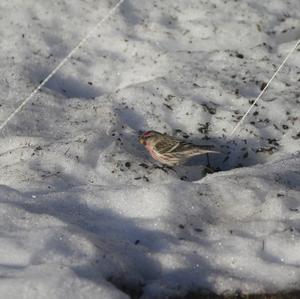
(207, 149)
(196, 151)
(213, 152)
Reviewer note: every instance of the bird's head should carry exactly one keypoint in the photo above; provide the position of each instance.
(149, 137)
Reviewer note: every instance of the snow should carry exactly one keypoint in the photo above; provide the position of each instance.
(85, 211)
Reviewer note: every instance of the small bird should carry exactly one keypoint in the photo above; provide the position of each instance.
(169, 150)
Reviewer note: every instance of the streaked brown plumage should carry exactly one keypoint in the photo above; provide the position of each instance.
(169, 150)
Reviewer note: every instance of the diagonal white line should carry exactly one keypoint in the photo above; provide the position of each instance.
(263, 91)
(87, 36)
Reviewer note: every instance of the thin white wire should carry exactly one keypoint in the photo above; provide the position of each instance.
(90, 33)
(263, 91)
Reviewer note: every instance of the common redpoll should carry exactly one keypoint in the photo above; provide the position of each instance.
(169, 150)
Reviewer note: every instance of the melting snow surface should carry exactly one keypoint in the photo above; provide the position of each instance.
(85, 211)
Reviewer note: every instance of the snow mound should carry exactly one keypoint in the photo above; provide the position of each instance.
(226, 232)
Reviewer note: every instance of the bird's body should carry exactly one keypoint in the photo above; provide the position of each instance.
(169, 150)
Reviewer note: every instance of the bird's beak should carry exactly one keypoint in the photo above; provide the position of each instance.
(142, 140)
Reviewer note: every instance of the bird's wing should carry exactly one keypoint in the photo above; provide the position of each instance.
(172, 145)
(175, 146)
(191, 149)
(166, 146)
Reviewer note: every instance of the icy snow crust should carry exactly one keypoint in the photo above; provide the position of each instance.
(85, 212)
